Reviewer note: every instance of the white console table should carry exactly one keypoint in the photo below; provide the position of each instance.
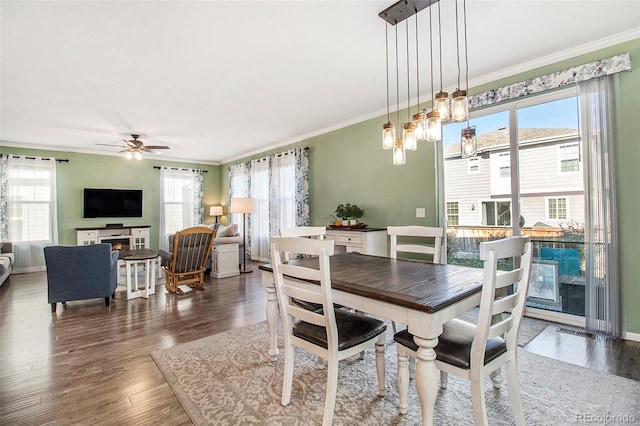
(372, 241)
(135, 237)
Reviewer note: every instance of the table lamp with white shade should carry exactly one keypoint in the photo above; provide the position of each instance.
(244, 206)
(216, 211)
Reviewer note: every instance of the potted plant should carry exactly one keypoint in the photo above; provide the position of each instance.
(350, 213)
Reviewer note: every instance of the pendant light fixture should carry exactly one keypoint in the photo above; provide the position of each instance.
(408, 128)
(459, 101)
(419, 117)
(468, 142)
(468, 139)
(388, 128)
(399, 155)
(442, 97)
(433, 123)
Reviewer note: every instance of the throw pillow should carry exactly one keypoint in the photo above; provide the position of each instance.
(227, 231)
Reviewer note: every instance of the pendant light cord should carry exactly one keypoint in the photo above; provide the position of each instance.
(431, 50)
(457, 44)
(466, 55)
(417, 64)
(397, 80)
(440, 41)
(386, 57)
(408, 77)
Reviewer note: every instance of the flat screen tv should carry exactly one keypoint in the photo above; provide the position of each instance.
(112, 202)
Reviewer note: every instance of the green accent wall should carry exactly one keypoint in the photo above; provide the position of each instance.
(105, 171)
(349, 165)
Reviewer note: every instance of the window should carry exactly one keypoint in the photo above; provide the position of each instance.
(473, 165)
(503, 164)
(496, 213)
(569, 157)
(30, 187)
(453, 215)
(557, 208)
(180, 201)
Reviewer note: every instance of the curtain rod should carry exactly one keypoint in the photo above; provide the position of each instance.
(59, 160)
(181, 168)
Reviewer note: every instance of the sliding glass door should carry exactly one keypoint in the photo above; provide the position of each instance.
(525, 180)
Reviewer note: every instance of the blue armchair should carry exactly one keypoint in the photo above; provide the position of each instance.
(81, 272)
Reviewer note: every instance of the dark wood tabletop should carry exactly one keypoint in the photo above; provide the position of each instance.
(420, 286)
(137, 254)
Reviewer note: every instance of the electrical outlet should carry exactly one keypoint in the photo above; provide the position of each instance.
(420, 212)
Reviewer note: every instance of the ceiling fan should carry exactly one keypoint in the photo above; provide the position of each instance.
(134, 147)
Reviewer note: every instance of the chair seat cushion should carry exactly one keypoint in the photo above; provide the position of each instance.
(454, 344)
(353, 329)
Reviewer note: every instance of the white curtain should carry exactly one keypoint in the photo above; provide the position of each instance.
(32, 218)
(602, 295)
(280, 185)
(181, 201)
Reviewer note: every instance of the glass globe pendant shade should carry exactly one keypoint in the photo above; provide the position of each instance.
(434, 126)
(459, 106)
(399, 157)
(468, 142)
(388, 135)
(442, 105)
(418, 121)
(128, 155)
(137, 155)
(409, 136)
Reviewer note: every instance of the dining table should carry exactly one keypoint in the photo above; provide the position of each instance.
(423, 296)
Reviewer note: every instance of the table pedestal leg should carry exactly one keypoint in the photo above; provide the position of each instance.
(426, 378)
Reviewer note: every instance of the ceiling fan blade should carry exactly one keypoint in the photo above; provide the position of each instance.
(156, 147)
(146, 149)
(108, 144)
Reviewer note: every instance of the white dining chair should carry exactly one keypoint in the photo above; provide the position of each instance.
(332, 334)
(316, 232)
(474, 351)
(426, 234)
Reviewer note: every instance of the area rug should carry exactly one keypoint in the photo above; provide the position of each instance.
(228, 379)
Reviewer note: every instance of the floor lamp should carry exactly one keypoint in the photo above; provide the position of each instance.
(244, 206)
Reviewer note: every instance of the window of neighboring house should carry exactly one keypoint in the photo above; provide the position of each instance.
(473, 165)
(503, 164)
(453, 213)
(496, 213)
(557, 208)
(569, 157)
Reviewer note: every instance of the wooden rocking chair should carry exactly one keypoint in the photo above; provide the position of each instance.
(186, 264)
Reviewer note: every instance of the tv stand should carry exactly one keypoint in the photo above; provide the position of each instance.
(121, 237)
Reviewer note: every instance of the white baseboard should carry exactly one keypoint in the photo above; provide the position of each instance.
(631, 336)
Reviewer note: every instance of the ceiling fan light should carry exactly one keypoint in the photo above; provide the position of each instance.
(388, 135)
(459, 106)
(137, 155)
(128, 155)
(442, 105)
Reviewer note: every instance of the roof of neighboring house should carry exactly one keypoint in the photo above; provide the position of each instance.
(501, 137)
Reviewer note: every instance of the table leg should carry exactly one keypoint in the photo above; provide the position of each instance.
(426, 378)
(128, 272)
(272, 312)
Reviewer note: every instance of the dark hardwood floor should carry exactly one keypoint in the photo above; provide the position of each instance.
(90, 364)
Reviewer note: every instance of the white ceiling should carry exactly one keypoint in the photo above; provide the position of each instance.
(219, 80)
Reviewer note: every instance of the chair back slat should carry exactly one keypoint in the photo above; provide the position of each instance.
(315, 232)
(506, 308)
(419, 232)
(290, 285)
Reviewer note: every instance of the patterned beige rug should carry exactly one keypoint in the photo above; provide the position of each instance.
(228, 379)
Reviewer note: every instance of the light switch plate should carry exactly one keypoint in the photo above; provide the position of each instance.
(420, 212)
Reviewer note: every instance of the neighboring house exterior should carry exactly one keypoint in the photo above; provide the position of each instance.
(478, 190)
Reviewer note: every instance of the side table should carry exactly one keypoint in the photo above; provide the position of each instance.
(224, 260)
(132, 260)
